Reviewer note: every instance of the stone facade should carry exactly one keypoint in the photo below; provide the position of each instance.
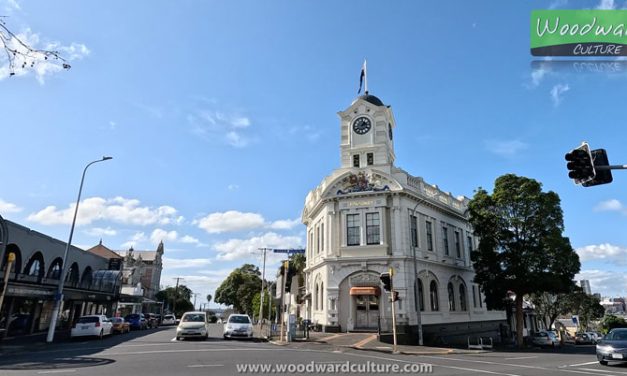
(369, 216)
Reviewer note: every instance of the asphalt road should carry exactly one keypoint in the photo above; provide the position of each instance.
(156, 353)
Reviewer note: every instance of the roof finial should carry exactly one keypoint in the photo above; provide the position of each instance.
(100, 242)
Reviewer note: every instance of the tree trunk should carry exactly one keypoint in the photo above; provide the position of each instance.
(519, 320)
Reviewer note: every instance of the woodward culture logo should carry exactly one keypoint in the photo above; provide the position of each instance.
(579, 33)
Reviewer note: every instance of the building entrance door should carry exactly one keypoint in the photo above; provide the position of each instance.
(366, 311)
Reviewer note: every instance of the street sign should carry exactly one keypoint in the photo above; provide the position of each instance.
(288, 251)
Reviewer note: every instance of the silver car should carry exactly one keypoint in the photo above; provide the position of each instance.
(193, 325)
(545, 338)
(238, 326)
(613, 347)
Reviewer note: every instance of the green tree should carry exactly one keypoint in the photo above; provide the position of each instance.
(610, 322)
(550, 306)
(587, 307)
(182, 295)
(521, 247)
(266, 298)
(239, 288)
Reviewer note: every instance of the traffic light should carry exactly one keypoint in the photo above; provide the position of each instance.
(580, 164)
(386, 280)
(394, 296)
(599, 157)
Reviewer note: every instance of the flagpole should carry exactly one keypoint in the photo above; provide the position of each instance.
(365, 77)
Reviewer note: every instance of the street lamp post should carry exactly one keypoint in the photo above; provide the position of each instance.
(59, 295)
(416, 293)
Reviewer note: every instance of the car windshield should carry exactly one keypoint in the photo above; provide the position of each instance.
(239, 320)
(86, 320)
(168, 317)
(194, 317)
(619, 335)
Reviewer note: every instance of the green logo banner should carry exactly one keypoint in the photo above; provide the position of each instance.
(579, 33)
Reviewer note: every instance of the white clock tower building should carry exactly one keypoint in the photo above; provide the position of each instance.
(368, 216)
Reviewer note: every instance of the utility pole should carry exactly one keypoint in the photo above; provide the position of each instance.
(286, 265)
(195, 295)
(176, 295)
(263, 278)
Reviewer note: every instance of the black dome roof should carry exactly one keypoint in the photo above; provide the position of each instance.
(372, 99)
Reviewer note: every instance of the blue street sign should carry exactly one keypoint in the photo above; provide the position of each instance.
(288, 251)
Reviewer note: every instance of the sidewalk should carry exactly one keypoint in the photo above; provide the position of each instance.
(370, 342)
(31, 342)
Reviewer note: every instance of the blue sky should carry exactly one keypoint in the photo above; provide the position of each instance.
(221, 116)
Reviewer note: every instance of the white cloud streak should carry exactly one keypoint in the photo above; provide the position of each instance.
(232, 220)
(235, 249)
(118, 209)
(557, 93)
(505, 148)
(611, 253)
(8, 208)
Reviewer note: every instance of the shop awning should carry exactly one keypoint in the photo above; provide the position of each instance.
(365, 291)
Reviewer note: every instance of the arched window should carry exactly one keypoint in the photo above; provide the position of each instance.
(87, 278)
(421, 295)
(71, 278)
(322, 296)
(451, 297)
(35, 266)
(433, 294)
(316, 298)
(55, 269)
(462, 297)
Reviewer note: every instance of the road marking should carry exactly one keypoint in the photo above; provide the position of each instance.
(57, 371)
(365, 341)
(521, 357)
(602, 370)
(383, 347)
(182, 351)
(205, 365)
(583, 364)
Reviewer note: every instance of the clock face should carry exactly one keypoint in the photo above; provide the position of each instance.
(361, 125)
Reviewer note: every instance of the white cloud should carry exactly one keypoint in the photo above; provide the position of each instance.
(37, 62)
(231, 220)
(235, 249)
(10, 5)
(236, 140)
(611, 205)
(607, 283)
(508, 148)
(135, 240)
(240, 122)
(605, 252)
(118, 209)
(159, 235)
(189, 240)
(212, 125)
(285, 224)
(7, 207)
(170, 263)
(233, 187)
(606, 4)
(99, 231)
(557, 93)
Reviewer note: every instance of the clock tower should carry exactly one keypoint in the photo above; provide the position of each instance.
(367, 128)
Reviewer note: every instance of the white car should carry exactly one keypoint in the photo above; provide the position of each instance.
(238, 326)
(169, 320)
(193, 325)
(92, 325)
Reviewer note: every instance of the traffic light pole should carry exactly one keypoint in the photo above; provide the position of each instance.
(391, 271)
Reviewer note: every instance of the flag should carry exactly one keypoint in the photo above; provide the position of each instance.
(362, 76)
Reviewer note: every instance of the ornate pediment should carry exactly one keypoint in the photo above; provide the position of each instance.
(365, 279)
(361, 182)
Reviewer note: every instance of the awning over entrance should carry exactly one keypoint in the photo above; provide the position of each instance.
(365, 291)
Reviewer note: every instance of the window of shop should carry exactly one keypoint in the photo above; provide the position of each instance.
(373, 232)
(451, 297)
(352, 229)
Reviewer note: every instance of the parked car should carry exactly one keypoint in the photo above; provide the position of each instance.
(545, 338)
(92, 325)
(594, 336)
(583, 339)
(151, 320)
(137, 321)
(238, 326)
(613, 347)
(193, 325)
(169, 320)
(119, 325)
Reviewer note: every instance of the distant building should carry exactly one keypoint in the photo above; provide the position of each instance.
(141, 275)
(585, 285)
(614, 306)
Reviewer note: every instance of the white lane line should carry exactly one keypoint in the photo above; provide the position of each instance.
(205, 365)
(105, 353)
(57, 371)
(173, 339)
(521, 357)
(583, 364)
(602, 370)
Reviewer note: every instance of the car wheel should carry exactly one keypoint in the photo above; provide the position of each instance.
(178, 338)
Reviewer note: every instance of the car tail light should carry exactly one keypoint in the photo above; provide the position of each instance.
(98, 324)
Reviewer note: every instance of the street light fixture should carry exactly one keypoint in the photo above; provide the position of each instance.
(59, 295)
(416, 293)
